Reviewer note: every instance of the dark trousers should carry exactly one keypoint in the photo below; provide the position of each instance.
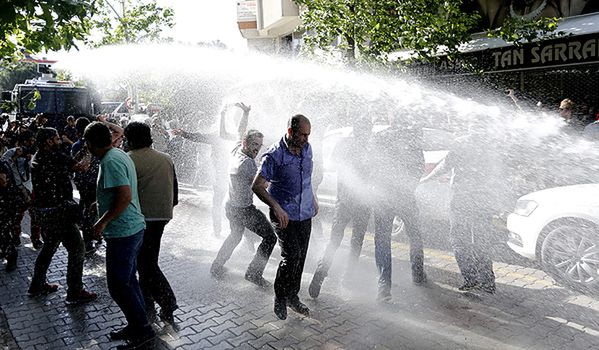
(470, 228)
(121, 266)
(154, 285)
(255, 221)
(88, 217)
(344, 213)
(59, 230)
(7, 243)
(294, 241)
(405, 207)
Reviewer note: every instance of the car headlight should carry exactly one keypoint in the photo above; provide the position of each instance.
(525, 207)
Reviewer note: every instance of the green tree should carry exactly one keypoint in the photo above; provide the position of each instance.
(17, 74)
(130, 21)
(41, 25)
(370, 30)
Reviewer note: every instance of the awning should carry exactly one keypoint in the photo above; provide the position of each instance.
(571, 26)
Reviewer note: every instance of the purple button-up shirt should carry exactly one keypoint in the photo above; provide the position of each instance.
(290, 178)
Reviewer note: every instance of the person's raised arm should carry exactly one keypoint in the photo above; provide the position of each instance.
(195, 136)
(243, 122)
(259, 187)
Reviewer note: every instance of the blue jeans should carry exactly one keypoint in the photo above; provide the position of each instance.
(121, 266)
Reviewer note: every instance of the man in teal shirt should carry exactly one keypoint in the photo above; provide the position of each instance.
(122, 224)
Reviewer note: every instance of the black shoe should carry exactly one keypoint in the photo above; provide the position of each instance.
(83, 296)
(299, 307)
(11, 264)
(488, 287)
(90, 248)
(257, 280)
(281, 308)
(138, 342)
(384, 299)
(419, 279)
(166, 315)
(121, 334)
(45, 288)
(468, 286)
(218, 271)
(37, 244)
(151, 314)
(316, 284)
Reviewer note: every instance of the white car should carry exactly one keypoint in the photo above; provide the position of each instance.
(559, 227)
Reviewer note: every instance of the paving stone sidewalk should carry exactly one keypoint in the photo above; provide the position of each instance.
(528, 311)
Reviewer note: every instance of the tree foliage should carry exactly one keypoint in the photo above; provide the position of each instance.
(37, 25)
(17, 74)
(130, 21)
(370, 30)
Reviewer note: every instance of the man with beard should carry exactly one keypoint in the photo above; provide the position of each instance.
(397, 166)
(351, 156)
(57, 212)
(242, 213)
(287, 166)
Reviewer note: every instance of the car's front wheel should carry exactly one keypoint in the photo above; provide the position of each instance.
(570, 254)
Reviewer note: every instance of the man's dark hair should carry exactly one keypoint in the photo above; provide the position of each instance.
(80, 124)
(43, 135)
(98, 135)
(25, 136)
(295, 121)
(139, 135)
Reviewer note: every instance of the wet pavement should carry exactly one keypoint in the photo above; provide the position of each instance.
(528, 311)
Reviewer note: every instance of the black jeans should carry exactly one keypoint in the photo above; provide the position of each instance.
(470, 229)
(344, 213)
(294, 241)
(58, 229)
(154, 285)
(255, 221)
(405, 207)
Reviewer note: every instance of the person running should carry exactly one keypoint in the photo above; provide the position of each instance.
(58, 212)
(122, 225)
(287, 166)
(242, 213)
(351, 157)
(158, 194)
(219, 152)
(397, 166)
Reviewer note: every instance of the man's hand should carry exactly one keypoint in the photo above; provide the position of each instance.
(282, 217)
(177, 132)
(244, 107)
(99, 228)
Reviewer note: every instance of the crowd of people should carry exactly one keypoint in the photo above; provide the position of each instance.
(122, 202)
(128, 191)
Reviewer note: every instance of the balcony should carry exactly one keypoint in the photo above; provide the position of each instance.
(279, 17)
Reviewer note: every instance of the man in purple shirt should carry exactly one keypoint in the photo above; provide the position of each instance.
(287, 166)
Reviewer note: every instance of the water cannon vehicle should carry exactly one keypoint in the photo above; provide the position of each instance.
(559, 228)
(55, 99)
